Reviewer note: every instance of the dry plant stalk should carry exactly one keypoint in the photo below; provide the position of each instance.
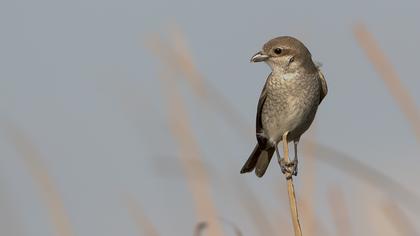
(291, 191)
(142, 221)
(39, 172)
(389, 76)
(307, 208)
(282, 217)
(318, 227)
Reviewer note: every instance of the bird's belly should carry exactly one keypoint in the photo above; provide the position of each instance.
(293, 115)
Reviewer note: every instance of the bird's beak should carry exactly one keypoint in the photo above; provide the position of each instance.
(259, 56)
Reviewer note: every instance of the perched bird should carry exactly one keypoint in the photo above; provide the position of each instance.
(288, 101)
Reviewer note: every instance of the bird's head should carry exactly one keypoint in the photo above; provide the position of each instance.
(285, 54)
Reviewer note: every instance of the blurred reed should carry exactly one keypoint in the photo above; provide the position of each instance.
(370, 214)
(399, 219)
(49, 192)
(143, 223)
(199, 228)
(10, 224)
(187, 66)
(319, 228)
(180, 60)
(235, 228)
(189, 155)
(388, 75)
(326, 154)
(339, 211)
(254, 208)
(369, 175)
(202, 226)
(282, 224)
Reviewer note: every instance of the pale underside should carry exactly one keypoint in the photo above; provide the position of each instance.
(289, 103)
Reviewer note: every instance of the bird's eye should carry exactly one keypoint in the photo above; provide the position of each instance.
(278, 51)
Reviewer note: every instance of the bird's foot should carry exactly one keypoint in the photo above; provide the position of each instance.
(289, 168)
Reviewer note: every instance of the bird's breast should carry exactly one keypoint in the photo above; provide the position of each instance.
(291, 100)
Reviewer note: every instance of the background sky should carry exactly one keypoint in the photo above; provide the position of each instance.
(80, 82)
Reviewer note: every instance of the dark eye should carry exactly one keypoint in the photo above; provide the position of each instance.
(278, 51)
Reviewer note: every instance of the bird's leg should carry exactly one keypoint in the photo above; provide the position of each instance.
(281, 161)
(286, 160)
(288, 167)
(294, 163)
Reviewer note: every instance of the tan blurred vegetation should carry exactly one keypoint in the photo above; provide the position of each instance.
(177, 59)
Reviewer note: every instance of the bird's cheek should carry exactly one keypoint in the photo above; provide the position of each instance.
(270, 63)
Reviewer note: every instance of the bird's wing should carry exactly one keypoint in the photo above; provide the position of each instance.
(259, 128)
(324, 87)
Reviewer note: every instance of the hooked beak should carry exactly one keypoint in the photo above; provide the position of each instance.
(259, 56)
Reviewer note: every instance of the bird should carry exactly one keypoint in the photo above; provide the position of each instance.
(288, 102)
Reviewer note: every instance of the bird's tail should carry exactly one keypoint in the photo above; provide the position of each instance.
(258, 160)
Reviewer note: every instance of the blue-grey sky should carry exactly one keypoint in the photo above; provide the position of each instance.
(78, 80)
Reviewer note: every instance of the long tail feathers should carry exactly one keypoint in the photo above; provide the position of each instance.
(258, 160)
(263, 162)
(252, 160)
